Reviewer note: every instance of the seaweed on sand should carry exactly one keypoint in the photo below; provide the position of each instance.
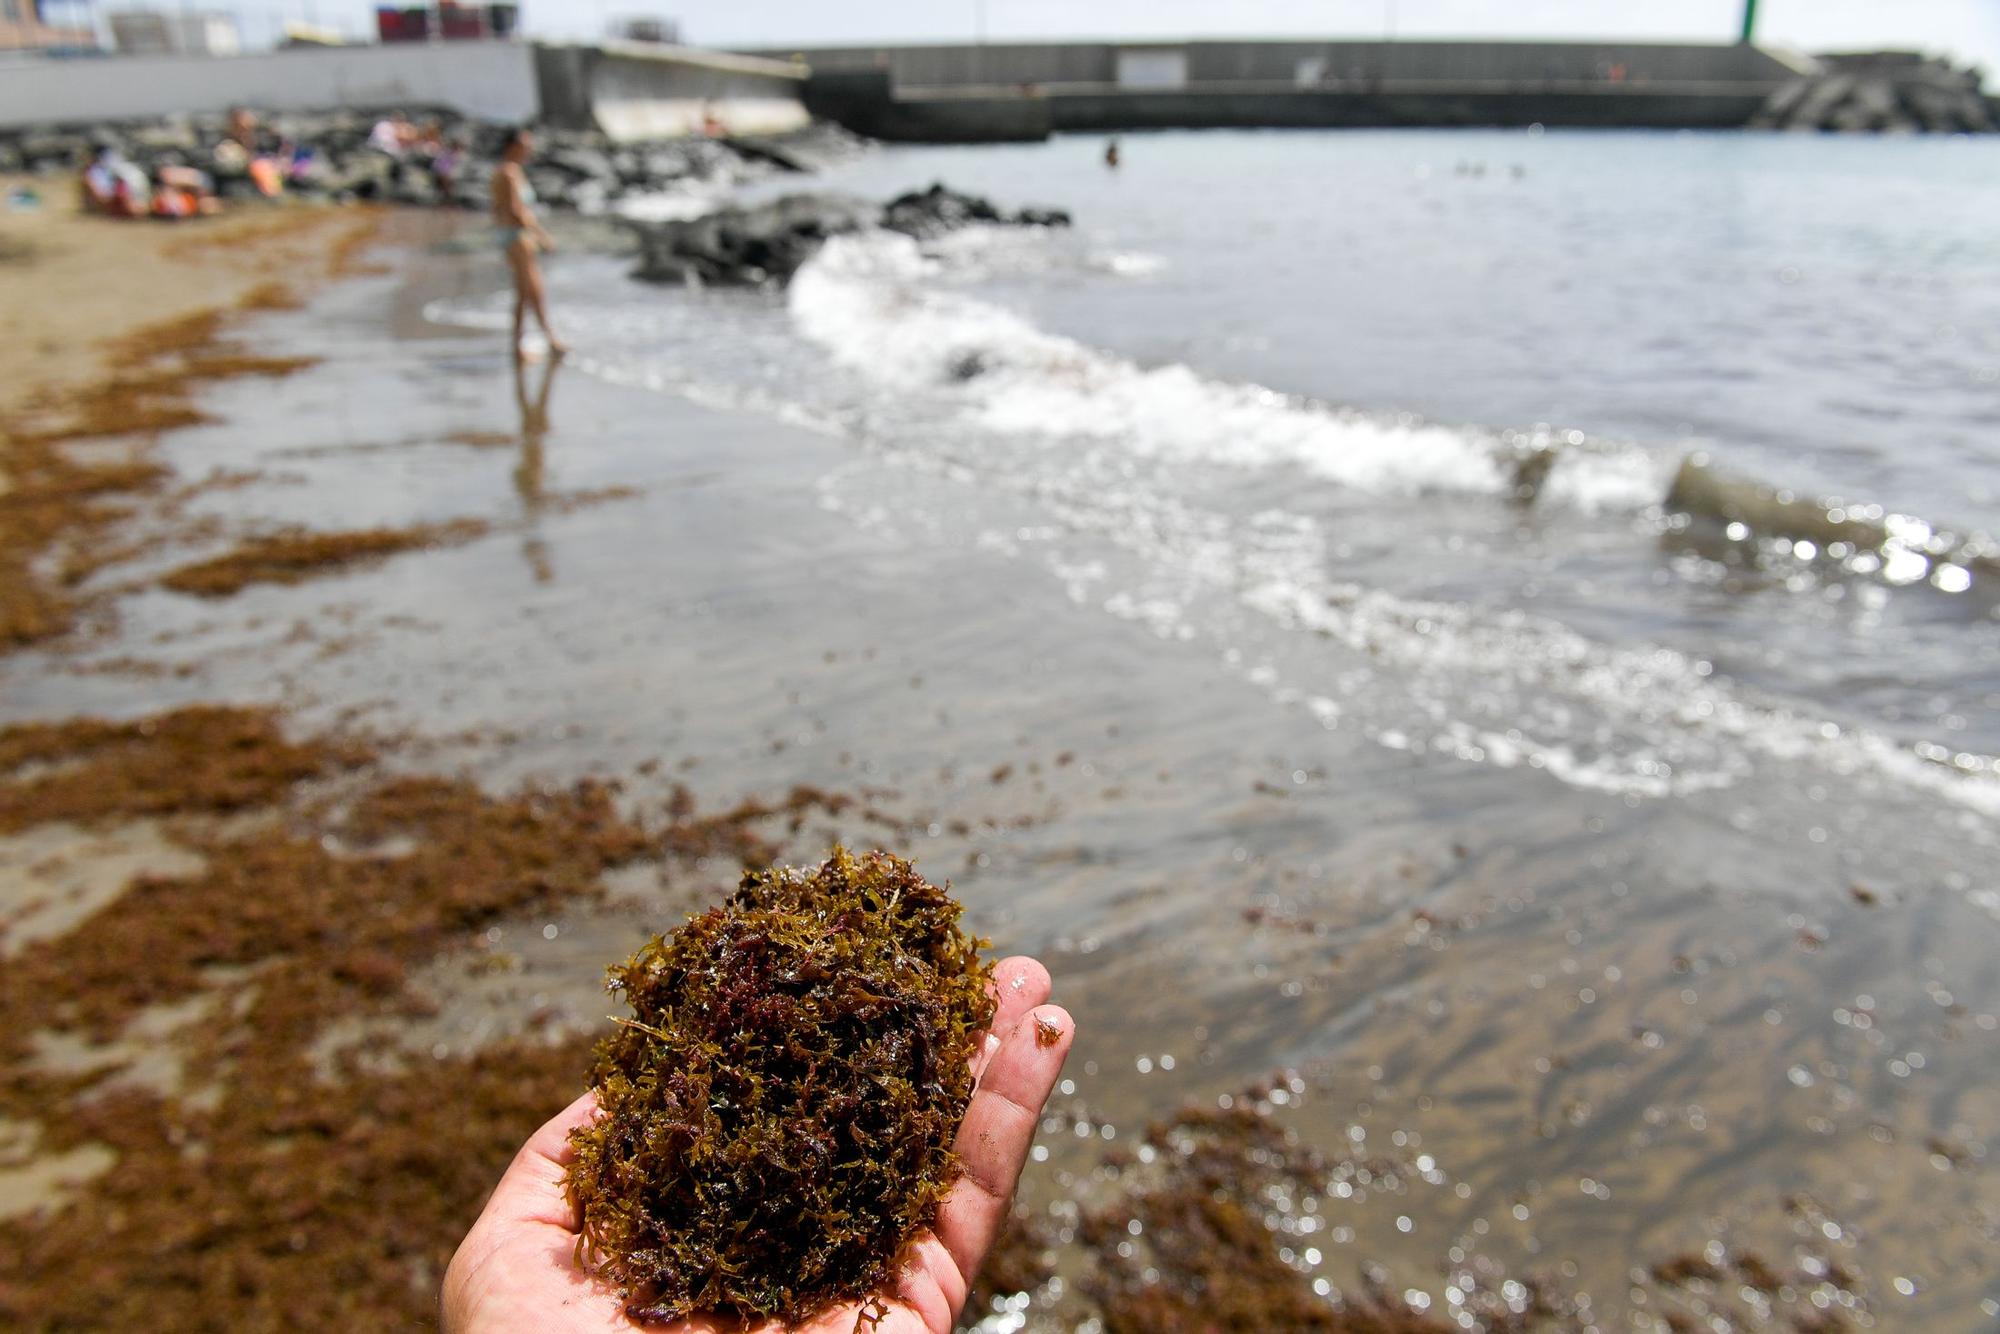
(777, 1116)
(296, 555)
(209, 759)
(1204, 1258)
(264, 1188)
(54, 506)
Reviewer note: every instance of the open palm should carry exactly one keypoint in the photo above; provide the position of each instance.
(516, 1270)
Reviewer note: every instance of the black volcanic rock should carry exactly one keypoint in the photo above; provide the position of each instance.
(767, 243)
(747, 246)
(927, 213)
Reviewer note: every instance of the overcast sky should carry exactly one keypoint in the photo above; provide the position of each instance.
(1967, 29)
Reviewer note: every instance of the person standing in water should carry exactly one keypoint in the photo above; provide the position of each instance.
(1111, 154)
(522, 238)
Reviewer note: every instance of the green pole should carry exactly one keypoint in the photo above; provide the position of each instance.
(1749, 21)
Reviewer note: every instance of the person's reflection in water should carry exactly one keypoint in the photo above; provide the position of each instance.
(528, 472)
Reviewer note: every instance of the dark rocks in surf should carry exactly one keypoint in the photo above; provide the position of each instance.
(767, 243)
(736, 247)
(927, 213)
(1746, 511)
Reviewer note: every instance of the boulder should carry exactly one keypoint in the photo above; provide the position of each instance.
(924, 214)
(1879, 92)
(767, 243)
(588, 164)
(734, 247)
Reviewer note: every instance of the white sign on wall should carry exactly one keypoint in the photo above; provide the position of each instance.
(1159, 68)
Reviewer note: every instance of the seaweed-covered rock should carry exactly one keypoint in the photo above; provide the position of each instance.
(776, 1118)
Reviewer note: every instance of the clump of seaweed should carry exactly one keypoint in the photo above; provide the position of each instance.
(296, 555)
(777, 1116)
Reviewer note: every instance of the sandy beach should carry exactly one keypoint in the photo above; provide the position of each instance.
(308, 932)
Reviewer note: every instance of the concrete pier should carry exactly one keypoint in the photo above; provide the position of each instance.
(1030, 90)
(1021, 91)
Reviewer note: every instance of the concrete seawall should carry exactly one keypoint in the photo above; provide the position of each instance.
(1027, 91)
(629, 90)
(634, 90)
(491, 80)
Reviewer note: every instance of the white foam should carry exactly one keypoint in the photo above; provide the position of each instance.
(1068, 428)
(1129, 263)
(1671, 728)
(870, 301)
(670, 205)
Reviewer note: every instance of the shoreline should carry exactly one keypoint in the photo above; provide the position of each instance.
(1368, 962)
(103, 376)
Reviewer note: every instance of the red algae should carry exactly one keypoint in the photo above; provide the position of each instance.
(776, 1117)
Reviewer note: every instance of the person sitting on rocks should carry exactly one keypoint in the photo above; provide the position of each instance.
(243, 128)
(244, 155)
(393, 134)
(446, 164)
(115, 187)
(183, 192)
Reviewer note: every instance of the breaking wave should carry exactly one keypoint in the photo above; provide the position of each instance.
(1493, 686)
(872, 303)
(1114, 468)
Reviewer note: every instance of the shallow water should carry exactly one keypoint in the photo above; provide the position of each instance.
(1523, 839)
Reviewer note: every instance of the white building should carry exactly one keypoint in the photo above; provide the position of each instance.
(152, 32)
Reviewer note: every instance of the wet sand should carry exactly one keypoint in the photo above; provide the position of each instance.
(1531, 1030)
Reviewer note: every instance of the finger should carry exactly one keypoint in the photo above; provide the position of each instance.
(999, 1126)
(1019, 985)
(532, 1190)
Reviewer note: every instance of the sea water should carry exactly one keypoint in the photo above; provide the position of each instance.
(1312, 491)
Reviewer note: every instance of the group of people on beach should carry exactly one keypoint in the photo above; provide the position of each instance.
(116, 187)
(403, 139)
(250, 161)
(112, 185)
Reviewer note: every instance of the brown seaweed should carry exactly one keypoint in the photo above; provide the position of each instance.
(296, 555)
(264, 1188)
(777, 1115)
(55, 504)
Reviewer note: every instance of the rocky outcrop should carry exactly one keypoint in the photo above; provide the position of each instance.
(1881, 92)
(735, 247)
(767, 243)
(933, 212)
(580, 170)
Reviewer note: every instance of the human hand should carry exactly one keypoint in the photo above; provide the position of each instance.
(516, 1270)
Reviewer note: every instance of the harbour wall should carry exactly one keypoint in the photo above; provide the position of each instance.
(1030, 90)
